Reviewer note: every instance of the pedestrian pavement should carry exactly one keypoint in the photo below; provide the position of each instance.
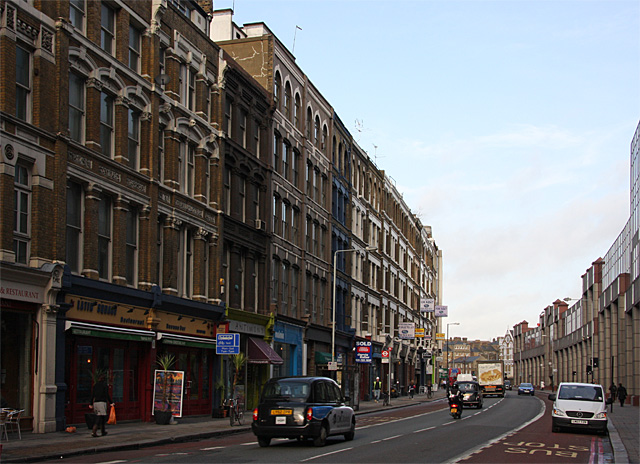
(35, 447)
(624, 433)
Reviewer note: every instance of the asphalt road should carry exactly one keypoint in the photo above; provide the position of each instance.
(503, 431)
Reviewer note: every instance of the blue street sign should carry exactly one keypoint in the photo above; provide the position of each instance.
(228, 343)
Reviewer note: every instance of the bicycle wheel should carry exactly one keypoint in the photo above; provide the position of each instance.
(232, 413)
(241, 417)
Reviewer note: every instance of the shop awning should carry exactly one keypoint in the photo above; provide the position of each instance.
(261, 353)
(323, 357)
(105, 331)
(185, 340)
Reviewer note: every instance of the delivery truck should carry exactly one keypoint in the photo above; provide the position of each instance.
(491, 377)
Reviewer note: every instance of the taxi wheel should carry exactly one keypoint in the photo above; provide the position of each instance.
(351, 433)
(321, 439)
(264, 442)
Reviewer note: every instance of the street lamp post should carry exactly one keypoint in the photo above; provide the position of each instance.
(333, 324)
(448, 347)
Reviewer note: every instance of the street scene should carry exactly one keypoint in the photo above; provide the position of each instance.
(311, 231)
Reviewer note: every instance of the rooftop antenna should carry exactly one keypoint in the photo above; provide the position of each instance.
(375, 153)
(294, 38)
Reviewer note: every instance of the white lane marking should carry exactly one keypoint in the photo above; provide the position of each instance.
(450, 422)
(249, 444)
(391, 438)
(424, 430)
(376, 441)
(112, 462)
(326, 454)
(212, 448)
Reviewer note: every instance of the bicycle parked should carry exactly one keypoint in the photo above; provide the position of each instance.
(236, 413)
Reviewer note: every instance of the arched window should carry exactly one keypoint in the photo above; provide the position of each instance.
(316, 132)
(324, 138)
(287, 100)
(309, 122)
(296, 115)
(277, 89)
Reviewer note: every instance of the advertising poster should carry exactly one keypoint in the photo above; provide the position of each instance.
(171, 382)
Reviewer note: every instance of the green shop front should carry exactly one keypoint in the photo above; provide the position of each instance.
(256, 338)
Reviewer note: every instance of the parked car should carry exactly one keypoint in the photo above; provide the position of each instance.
(302, 408)
(507, 385)
(526, 389)
(471, 394)
(579, 406)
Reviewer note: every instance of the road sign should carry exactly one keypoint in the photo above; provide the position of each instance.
(227, 343)
(385, 356)
(332, 365)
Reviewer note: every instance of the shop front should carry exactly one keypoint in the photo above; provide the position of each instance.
(120, 332)
(256, 334)
(288, 343)
(28, 340)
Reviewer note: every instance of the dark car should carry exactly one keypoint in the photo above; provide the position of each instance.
(301, 408)
(526, 389)
(507, 385)
(471, 393)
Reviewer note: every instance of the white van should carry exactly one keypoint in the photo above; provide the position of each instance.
(579, 405)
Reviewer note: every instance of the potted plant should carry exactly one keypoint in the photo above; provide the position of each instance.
(220, 411)
(163, 413)
(238, 362)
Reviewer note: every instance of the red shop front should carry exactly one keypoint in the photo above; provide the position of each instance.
(124, 354)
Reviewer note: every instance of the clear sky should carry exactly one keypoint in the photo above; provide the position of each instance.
(505, 124)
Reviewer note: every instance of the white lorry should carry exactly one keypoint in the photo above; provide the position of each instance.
(491, 377)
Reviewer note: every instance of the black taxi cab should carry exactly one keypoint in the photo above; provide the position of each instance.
(302, 408)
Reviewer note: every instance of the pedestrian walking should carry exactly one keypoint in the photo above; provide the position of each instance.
(613, 390)
(100, 399)
(377, 386)
(622, 394)
(412, 387)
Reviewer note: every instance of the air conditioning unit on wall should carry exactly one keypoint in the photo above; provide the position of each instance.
(260, 225)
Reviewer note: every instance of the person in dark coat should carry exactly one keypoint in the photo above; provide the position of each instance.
(614, 391)
(622, 394)
(100, 398)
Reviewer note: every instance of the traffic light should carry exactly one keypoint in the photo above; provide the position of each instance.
(589, 370)
(595, 362)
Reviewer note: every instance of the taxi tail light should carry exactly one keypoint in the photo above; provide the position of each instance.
(309, 414)
(255, 414)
